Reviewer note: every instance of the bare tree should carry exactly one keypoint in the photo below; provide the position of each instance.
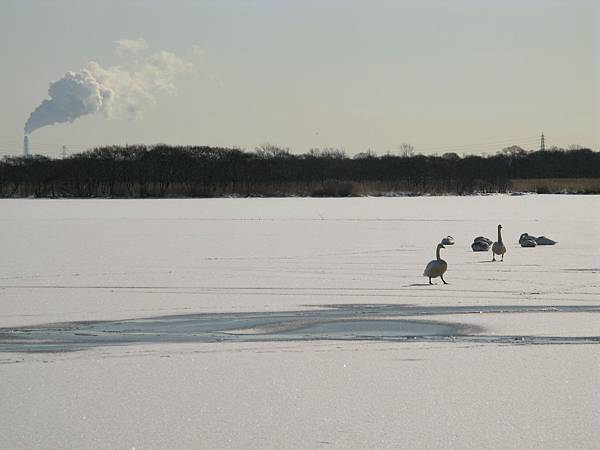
(513, 150)
(267, 150)
(364, 155)
(406, 150)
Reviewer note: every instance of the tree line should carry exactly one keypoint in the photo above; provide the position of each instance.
(190, 171)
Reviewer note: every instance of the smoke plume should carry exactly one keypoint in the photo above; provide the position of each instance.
(125, 46)
(127, 89)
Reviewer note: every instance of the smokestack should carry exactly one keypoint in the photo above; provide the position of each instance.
(26, 147)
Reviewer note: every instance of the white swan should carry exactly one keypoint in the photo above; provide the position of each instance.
(481, 244)
(448, 240)
(526, 240)
(437, 267)
(543, 240)
(533, 241)
(525, 236)
(528, 243)
(498, 247)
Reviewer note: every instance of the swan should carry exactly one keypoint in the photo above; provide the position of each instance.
(448, 240)
(480, 246)
(526, 237)
(498, 247)
(543, 240)
(437, 267)
(483, 239)
(528, 243)
(526, 240)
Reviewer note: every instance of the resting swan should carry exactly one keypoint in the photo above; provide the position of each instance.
(543, 240)
(527, 240)
(498, 247)
(448, 240)
(481, 244)
(437, 267)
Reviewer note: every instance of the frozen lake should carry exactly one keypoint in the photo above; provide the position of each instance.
(270, 323)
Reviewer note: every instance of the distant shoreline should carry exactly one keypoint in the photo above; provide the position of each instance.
(535, 186)
(206, 172)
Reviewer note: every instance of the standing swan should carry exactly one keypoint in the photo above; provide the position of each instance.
(437, 267)
(498, 247)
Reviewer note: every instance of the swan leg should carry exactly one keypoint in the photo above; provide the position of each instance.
(443, 279)
(430, 280)
(493, 257)
(502, 256)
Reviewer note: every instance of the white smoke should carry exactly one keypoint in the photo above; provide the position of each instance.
(125, 46)
(128, 89)
(74, 95)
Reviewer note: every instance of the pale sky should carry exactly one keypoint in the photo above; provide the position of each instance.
(469, 76)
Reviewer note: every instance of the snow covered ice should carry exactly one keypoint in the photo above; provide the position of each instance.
(298, 323)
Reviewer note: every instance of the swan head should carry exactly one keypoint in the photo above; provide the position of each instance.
(440, 245)
(499, 227)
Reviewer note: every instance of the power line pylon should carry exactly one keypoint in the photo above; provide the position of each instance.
(542, 142)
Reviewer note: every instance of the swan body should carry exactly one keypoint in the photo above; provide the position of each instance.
(448, 240)
(498, 247)
(527, 240)
(528, 243)
(437, 267)
(480, 246)
(526, 236)
(543, 240)
(483, 239)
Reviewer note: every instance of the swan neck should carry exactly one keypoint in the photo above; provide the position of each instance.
(500, 235)
(437, 253)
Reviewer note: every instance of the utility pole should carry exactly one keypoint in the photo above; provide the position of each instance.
(63, 153)
(542, 142)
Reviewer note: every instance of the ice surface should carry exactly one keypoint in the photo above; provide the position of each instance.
(69, 261)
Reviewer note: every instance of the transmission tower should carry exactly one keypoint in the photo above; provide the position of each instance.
(542, 142)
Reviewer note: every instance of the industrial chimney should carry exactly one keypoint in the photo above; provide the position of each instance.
(26, 147)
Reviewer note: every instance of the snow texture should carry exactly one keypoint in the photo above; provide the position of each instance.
(505, 356)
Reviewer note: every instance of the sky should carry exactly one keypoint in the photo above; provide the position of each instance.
(469, 76)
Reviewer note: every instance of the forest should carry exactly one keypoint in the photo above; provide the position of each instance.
(189, 171)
